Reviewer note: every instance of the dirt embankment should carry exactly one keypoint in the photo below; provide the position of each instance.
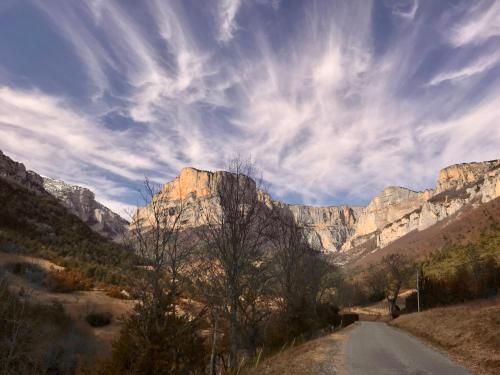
(469, 333)
(322, 356)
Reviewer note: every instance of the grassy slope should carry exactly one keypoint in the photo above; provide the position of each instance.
(319, 357)
(39, 225)
(470, 332)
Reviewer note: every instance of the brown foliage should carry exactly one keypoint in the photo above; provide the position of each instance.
(67, 281)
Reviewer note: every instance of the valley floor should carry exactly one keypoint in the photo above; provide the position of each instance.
(469, 333)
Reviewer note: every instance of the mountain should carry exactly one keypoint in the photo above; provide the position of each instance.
(327, 227)
(81, 202)
(78, 200)
(398, 211)
(470, 225)
(392, 214)
(34, 222)
(15, 172)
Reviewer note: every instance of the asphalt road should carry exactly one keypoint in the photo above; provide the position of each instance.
(376, 348)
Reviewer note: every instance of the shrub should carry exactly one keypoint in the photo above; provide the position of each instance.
(67, 281)
(99, 319)
(348, 319)
(117, 292)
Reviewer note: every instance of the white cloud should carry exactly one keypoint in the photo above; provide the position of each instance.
(54, 140)
(227, 11)
(478, 26)
(326, 116)
(481, 65)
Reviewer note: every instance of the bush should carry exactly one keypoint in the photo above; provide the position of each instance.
(67, 281)
(173, 347)
(348, 319)
(99, 319)
(117, 292)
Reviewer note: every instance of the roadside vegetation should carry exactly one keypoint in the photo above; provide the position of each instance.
(469, 332)
(452, 274)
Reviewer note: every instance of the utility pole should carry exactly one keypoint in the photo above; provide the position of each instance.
(418, 291)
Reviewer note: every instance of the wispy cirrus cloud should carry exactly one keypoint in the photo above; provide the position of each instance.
(331, 102)
(479, 66)
(481, 22)
(227, 11)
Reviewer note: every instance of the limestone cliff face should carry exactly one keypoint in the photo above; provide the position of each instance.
(393, 213)
(327, 228)
(392, 203)
(398, 211)
(455, 176)
(81, 202)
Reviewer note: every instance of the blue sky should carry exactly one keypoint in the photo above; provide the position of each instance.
(334, 100)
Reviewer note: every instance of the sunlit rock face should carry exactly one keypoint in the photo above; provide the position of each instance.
(393, 213)
(81, 202)
(327, 228)
(458, 175)
(398, 211)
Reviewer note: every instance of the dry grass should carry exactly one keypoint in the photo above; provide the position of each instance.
(76, 304)
(378, 311)
(322, 356)
(470, 333)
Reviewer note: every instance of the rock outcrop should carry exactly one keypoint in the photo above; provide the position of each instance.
(393, 213)
(327, 228)
(13, 171)
(81, 202)
(398, 211)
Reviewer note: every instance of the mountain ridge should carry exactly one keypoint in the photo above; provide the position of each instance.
(382, 221)
(78, 200)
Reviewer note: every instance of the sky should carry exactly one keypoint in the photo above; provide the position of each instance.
(333, 100)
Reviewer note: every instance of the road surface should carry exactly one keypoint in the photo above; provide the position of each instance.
(376, 348)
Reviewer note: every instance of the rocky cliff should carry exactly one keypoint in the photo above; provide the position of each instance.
(81, 202)
(393, 213)
(398, 211)
(327, 227)
(13, 171)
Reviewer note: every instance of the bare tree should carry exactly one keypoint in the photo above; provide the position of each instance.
(398, 270)
(160, 337)
(304, 280)
(234, 234)
(158, 236)
(290, 248)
